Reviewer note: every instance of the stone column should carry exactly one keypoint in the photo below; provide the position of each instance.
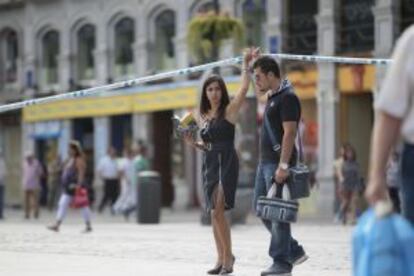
(29, 59)
(140, 45)
(101, 137)
(64, 138)
(141, 127)
(27, 142)
(65, 61)
(386, 30)
(181, 51)
(275, 26)
(326, 98)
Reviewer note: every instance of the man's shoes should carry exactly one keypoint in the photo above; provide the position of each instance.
(299, 258)
(277, 270)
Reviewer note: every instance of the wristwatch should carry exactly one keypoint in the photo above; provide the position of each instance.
(284, 166)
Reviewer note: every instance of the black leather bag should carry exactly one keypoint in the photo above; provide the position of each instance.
(275, 208)
(299, 175)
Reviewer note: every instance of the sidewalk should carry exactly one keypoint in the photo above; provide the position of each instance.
(177, 246)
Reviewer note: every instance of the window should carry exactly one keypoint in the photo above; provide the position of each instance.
(124, 39)
(164, 40)
(9, 56)
(356, 26)
(254, 19)
(301, 27)
(49, 61)
(86, 47)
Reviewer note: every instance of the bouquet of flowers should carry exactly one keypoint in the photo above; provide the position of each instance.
(186, 124)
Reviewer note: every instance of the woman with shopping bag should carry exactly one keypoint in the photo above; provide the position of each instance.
(73, 190)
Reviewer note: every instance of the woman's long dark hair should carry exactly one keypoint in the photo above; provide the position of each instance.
(224, 101)
(350, 149)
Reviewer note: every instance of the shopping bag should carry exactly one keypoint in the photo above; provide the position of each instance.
(80, 198)
(383, 245)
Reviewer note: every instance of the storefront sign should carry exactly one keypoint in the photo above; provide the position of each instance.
(356, 78)
(305, 83)
(46, 130)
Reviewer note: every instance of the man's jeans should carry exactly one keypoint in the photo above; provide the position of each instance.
(283, 248)
(407, 189)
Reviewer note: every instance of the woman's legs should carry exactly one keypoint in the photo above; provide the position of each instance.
(217, 238)
(63, 206)
(86, 214)
(345, 202)
(223, 228)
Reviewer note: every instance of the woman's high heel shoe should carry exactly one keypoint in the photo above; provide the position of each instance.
(215, 271)
(225, 271)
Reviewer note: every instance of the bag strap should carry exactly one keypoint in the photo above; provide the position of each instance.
(300, 158)
(275, 144)
(278, 190)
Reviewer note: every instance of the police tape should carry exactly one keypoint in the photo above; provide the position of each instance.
(93, 91)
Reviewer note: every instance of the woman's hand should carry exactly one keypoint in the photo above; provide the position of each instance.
(188, 138)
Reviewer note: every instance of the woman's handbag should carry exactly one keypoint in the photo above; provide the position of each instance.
(277, 205)
(80, 198)
(298, 181)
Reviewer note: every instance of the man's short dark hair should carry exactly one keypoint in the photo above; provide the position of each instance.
(266, 65)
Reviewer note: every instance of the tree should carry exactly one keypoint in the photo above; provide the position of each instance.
(206, 32)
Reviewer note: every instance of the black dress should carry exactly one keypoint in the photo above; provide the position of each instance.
(220, 161)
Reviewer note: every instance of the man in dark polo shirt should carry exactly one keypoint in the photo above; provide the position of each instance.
(283, 112)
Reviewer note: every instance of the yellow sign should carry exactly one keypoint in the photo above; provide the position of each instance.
(76, 108)
(162, 99)
(304, 82)
(356, 78)
(173, 99)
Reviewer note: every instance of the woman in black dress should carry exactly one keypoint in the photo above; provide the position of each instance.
(217, 117)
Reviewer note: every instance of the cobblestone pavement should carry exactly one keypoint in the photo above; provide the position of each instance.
(177, 246)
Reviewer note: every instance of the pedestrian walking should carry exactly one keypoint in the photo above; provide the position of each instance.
(73, 177)
(283, 112)
(2, 184)
(338, 177)
(44, 188)
(394, 118)
(109, 172)
(55, 173)
(349, 185)
(32, 173)
(126, 201)
(217, 116)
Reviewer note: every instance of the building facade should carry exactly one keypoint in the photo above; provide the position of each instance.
(55, 46)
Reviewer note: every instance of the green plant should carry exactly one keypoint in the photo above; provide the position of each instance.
(206, 31)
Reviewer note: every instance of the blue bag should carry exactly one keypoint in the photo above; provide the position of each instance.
(383, 246)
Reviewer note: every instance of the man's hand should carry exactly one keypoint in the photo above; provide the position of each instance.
(281, 175)
(376, 190)
(250, 54)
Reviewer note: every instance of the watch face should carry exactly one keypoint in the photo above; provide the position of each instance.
(283, 166)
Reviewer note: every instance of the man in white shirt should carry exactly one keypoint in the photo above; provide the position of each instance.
(395, 118)
(2, 183)
(109, 172)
